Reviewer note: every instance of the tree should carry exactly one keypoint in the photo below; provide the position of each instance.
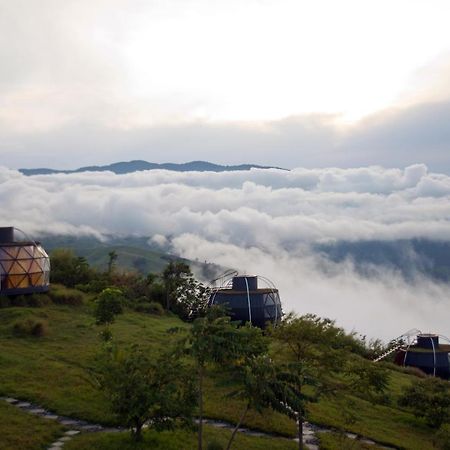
(69, 269)
(265, 384)
(173, 277)
(428, 398)
(185, 296)
(158, 390)
(368, 379)
(313, 348)
(112, 258)
(108, 305)
(215, 339)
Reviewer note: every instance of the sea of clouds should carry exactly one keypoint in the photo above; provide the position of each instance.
(263, 222)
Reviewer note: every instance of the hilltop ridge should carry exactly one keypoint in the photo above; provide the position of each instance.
(123, 167)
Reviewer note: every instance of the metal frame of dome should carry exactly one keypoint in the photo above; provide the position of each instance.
(222, 287)
(24, 265)
(414, 339)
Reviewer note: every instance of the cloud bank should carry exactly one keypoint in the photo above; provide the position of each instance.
(264, 222)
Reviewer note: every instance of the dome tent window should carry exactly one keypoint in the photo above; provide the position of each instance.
(24, 265)
(245, 300)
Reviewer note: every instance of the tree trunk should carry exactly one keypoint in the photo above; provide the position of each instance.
(200, 407)
(300, 431)
(237, 426)
(137, 435)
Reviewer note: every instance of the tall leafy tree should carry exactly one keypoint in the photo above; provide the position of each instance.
(185, 296)
(313, 347)
(214, 339)
(264, 384)
(144, 389)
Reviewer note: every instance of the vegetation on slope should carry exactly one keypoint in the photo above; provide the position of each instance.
(55, 370)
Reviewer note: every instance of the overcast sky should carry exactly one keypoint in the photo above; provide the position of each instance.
(285, 82)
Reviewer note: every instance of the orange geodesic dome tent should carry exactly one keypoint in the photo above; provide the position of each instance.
(24, 265)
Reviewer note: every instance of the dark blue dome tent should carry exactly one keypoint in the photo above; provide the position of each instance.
(24, 264)
(426, 351)
(245, 300)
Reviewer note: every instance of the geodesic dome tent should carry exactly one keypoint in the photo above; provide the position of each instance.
(245, 300)
(425, 351)
(24, 265)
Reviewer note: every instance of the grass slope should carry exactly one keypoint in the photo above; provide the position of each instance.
(52, 371)
(22, 431)
(176, 440)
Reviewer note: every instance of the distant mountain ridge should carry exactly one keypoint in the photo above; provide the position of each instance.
(139, 165)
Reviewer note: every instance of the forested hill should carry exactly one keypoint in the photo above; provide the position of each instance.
(139, 165)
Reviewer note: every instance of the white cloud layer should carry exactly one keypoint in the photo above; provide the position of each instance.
(263, 222)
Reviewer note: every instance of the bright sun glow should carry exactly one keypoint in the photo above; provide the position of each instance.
(266, 60)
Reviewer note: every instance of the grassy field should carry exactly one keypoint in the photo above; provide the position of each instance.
(22, 431)
(176, 440)
(53, 371)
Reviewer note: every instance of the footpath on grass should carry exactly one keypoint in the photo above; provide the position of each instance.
(77, 426)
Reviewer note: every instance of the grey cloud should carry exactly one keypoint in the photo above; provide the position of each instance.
(262, 221)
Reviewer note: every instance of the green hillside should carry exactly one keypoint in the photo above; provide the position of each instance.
(134, 254)
(53, 371)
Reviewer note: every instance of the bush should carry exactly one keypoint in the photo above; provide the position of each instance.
(39, 300)
(30, 327)
(19, 300)
(150, 308)
(65, 296)
(108, 305)
(443, 437)
(68, 268)
(428, 398)
(5, 302)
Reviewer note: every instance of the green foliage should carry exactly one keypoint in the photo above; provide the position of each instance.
(367, 379)
(108, 305)
(112, 258)
(69, 269)
(185, 296)
(150, 308)
(428, 398)
(61, 295)
(142, 388)
(215, 339)
(442, 437)
(30, 327)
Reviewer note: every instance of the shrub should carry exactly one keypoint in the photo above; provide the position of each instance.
(428, 398)
(108, 305)
(19, 300)
(443, 437)
(64, 296)
(5, 302)
(38, 300)
(30, 327)
(150, 308)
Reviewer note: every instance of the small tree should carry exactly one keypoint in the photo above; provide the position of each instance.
(159, 390)
(108, 305)
(313, 347)
(173, 277)
(428, 398)
(69, 269)
(185, 296)
(265, 384)
(214, 339)
(368, 379)
(112, 258)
